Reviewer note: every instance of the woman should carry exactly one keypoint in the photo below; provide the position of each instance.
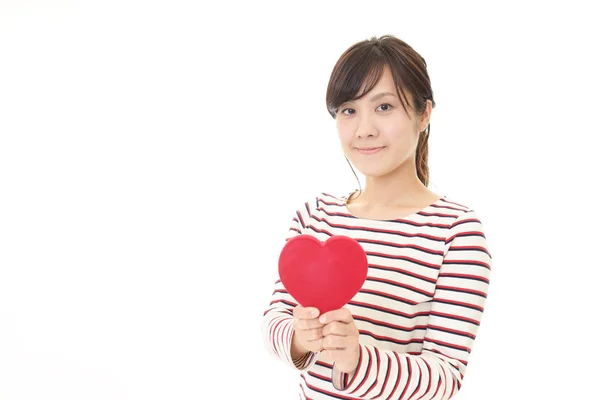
(408, 332)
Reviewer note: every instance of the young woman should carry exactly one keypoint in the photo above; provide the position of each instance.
(408, 333)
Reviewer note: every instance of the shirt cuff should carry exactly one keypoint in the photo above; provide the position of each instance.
(350, 383)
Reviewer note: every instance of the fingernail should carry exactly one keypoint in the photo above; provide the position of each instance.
(315, 313)
(322, 319)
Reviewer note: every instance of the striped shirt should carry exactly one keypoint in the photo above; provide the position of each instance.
(417, 313)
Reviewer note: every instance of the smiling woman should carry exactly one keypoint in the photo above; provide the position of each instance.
(409, 331)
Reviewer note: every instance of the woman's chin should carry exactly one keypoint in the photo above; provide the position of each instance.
(372, 171)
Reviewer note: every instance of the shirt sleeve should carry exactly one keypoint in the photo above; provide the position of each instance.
(456, 312)
(278, 322)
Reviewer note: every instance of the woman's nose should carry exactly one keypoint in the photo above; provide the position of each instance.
(366, 128)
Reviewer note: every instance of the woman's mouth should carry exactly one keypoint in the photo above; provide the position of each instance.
(369, 150)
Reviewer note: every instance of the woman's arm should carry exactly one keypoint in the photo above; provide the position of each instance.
(456, 312)
(278, 320)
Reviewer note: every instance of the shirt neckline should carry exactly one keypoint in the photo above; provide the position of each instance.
(409, 216)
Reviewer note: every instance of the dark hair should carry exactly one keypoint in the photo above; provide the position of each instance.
(364, 63)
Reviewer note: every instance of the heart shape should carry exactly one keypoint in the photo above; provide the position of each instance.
(325, 275)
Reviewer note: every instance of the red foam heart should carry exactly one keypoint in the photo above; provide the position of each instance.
(325, 275)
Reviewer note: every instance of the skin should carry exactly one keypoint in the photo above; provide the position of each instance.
(392, 190)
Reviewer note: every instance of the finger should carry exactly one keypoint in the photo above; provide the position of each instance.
(305, 312)
(306, 324)
(337, 328)
(333, 354)
(341, 315)
(333, 342)
(312, 334)
(315, 345)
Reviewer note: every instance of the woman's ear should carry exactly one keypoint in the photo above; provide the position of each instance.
(426, 116)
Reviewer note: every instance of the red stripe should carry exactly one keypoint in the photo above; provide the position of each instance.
(420, 382)
(455, 331)
(307, 205)
(459, 303)
(466, 262)
(387, 377)
(467, 276)
(388, 325)
(285, 335)
(475, 248)
(464, 221)
(446, 383)
(389, 310)
(269, 310)
(304, 393)
(393, 340)
(330, 203)
(287, 303)
(402, 246)
(275, 333)
(369, 363)
(438, 386)
(464, 362)
(334, 213)
(387, 295)
(458, 317)
(451, 345)
(398, 375)
(358, 368)
(464, 233)
(462, 207)
(404, 258)
(437, 215)
(378, 361)
(402, 285)
(323, 377)
(300, 218)
(429, 369)
(463, 290)
(404, 272)
(409, 379)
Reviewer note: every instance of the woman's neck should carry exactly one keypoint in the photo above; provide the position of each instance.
(398, 188)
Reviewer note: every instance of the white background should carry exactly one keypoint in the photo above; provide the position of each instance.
(152, 155)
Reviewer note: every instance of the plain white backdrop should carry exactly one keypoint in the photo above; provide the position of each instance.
(152, 155)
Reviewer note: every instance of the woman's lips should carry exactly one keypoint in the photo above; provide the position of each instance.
(370, 150)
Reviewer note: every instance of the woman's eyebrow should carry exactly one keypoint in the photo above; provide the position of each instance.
(374, 98)
(380, 95)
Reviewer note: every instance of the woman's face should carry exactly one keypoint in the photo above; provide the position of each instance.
(375, 132)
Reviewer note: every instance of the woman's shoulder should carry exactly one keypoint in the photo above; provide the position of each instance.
(452, 203)
(332, 197)
(324, 198)
(462, 212)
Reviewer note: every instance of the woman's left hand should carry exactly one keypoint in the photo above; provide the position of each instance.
(340, 340)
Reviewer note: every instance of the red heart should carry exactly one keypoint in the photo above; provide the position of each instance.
(325, 275)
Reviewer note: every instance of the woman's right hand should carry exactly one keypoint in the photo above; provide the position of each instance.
(308, 334)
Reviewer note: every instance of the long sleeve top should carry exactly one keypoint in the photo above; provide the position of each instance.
(417, 313)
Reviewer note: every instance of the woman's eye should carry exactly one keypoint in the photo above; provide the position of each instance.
(350, 111)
